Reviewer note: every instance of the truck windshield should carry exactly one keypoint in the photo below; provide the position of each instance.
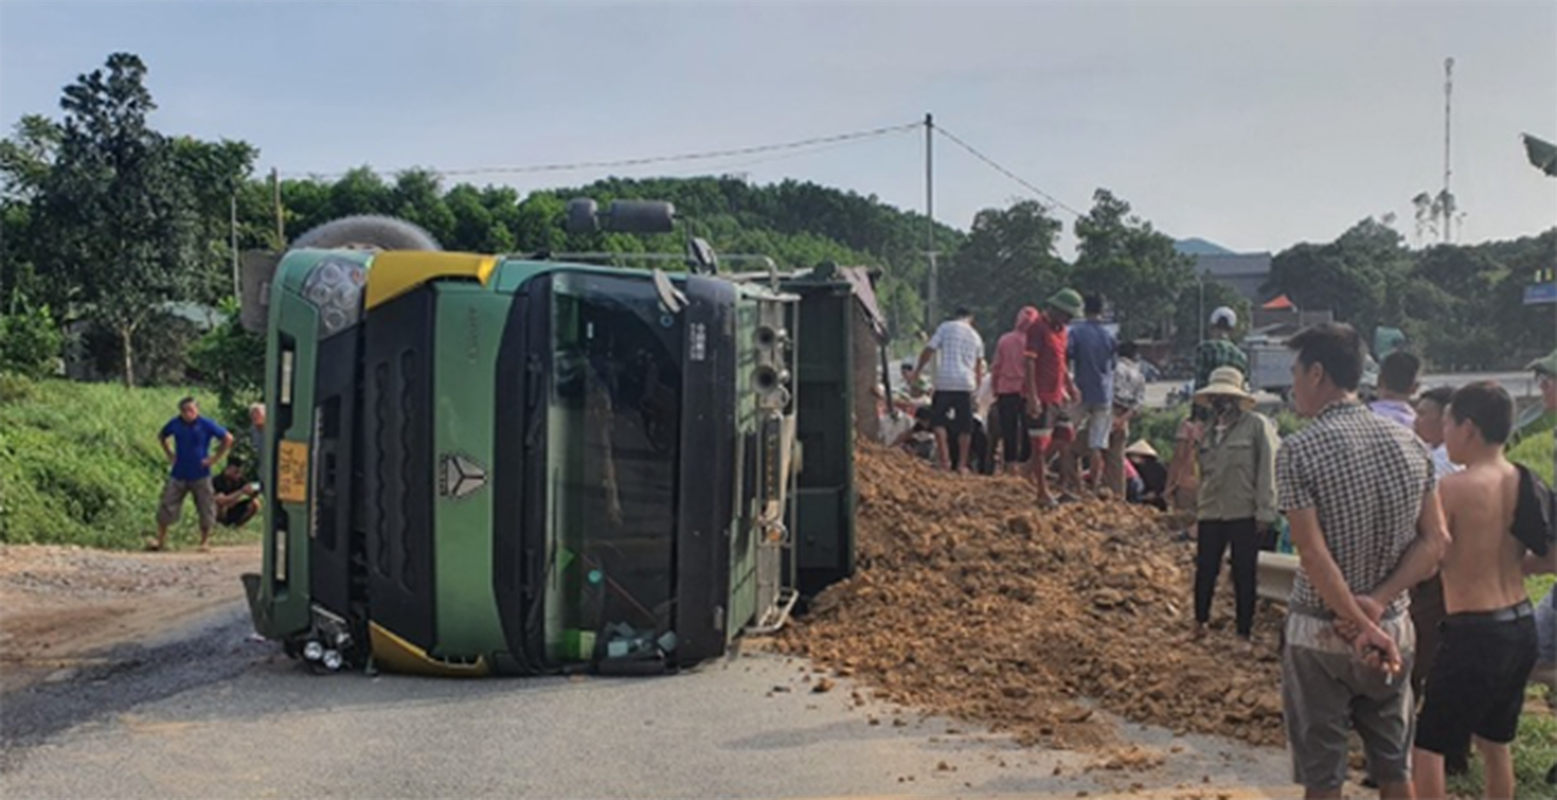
(613, 442)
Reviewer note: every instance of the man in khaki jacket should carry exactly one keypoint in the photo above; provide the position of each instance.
(1237, 499)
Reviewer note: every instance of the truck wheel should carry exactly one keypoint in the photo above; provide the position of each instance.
(368, 232)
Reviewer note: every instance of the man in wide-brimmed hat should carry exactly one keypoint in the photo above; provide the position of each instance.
(1237, 499)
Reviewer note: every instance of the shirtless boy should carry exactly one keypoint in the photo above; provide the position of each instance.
(1477, 684)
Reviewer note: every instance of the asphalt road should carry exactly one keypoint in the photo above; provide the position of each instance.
(213, 714)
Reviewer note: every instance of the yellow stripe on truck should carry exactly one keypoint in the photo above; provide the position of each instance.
(395, 654)
(399, 271)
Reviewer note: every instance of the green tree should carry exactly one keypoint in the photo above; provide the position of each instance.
(214, 174)
(122, 231)
(1135, 267)
(26, 158)
(1351, 276)
(1006, 262)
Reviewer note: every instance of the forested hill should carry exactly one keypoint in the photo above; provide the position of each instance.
(797, 223)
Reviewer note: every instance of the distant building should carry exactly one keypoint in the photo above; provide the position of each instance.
(1245, 272)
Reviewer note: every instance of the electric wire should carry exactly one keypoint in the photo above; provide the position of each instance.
(1002, 170)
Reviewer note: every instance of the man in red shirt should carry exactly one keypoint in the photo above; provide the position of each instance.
(1049, 385)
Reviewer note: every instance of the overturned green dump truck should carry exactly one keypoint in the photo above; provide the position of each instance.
(482, 464)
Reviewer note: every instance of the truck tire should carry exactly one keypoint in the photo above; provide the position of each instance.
(367, 232)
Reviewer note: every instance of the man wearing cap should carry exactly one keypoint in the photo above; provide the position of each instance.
(1237, 501)
(1545, 671)
(1219, 350)
(1049, 385)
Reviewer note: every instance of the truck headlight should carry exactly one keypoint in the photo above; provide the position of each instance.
(334, 286)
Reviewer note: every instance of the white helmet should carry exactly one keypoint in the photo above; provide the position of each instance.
(1224, 317)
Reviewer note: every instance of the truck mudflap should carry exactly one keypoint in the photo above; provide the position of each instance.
(251, 590)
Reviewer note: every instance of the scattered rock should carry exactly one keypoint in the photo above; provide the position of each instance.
(969, 602)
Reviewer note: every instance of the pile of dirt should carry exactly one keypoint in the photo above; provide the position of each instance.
(969, 601)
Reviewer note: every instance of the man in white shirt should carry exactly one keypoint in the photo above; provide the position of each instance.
(959, 368)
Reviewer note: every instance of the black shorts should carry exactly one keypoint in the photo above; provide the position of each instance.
(952, 411)
(1477, 685)
(234, 514)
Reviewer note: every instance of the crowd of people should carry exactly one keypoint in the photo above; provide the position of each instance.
(1059, 393)
(1408, 624)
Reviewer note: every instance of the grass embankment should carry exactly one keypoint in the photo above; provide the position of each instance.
(80, 465)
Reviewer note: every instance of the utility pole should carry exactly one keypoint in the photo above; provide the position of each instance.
(934, 299)
(232, 223)
(281, 230)
(1447, 200)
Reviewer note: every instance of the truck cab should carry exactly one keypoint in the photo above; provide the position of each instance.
(488, 464)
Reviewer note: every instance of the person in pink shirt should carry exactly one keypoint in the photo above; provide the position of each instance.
(1008, 374)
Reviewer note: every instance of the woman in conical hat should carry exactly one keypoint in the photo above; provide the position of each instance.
(1236, 503)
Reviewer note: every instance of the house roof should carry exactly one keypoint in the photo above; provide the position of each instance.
(1230, 264)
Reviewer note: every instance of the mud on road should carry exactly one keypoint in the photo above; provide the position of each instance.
(62, 607)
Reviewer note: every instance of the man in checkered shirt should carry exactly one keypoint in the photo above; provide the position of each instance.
(959, 368)
(1358, 490)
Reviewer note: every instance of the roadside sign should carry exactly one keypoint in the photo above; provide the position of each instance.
(1541, 293)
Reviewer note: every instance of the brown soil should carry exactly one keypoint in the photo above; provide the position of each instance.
(62, 606)
(968, 601)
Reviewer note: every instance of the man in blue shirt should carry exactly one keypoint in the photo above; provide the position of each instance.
(1093, 352)
(191, 458)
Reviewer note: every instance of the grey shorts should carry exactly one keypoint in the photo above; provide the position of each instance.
(172, 504)
(1099, 423)
(1326, 692)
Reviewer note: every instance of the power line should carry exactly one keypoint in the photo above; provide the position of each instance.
(696, 156)
(1002, 170)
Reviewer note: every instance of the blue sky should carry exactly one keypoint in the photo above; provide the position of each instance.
(1255, 125)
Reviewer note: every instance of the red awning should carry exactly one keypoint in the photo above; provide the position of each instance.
(1282, 303)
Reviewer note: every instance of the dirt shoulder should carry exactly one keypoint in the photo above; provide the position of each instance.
(59, 606)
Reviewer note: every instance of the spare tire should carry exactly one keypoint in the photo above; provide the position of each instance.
(368, 232)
